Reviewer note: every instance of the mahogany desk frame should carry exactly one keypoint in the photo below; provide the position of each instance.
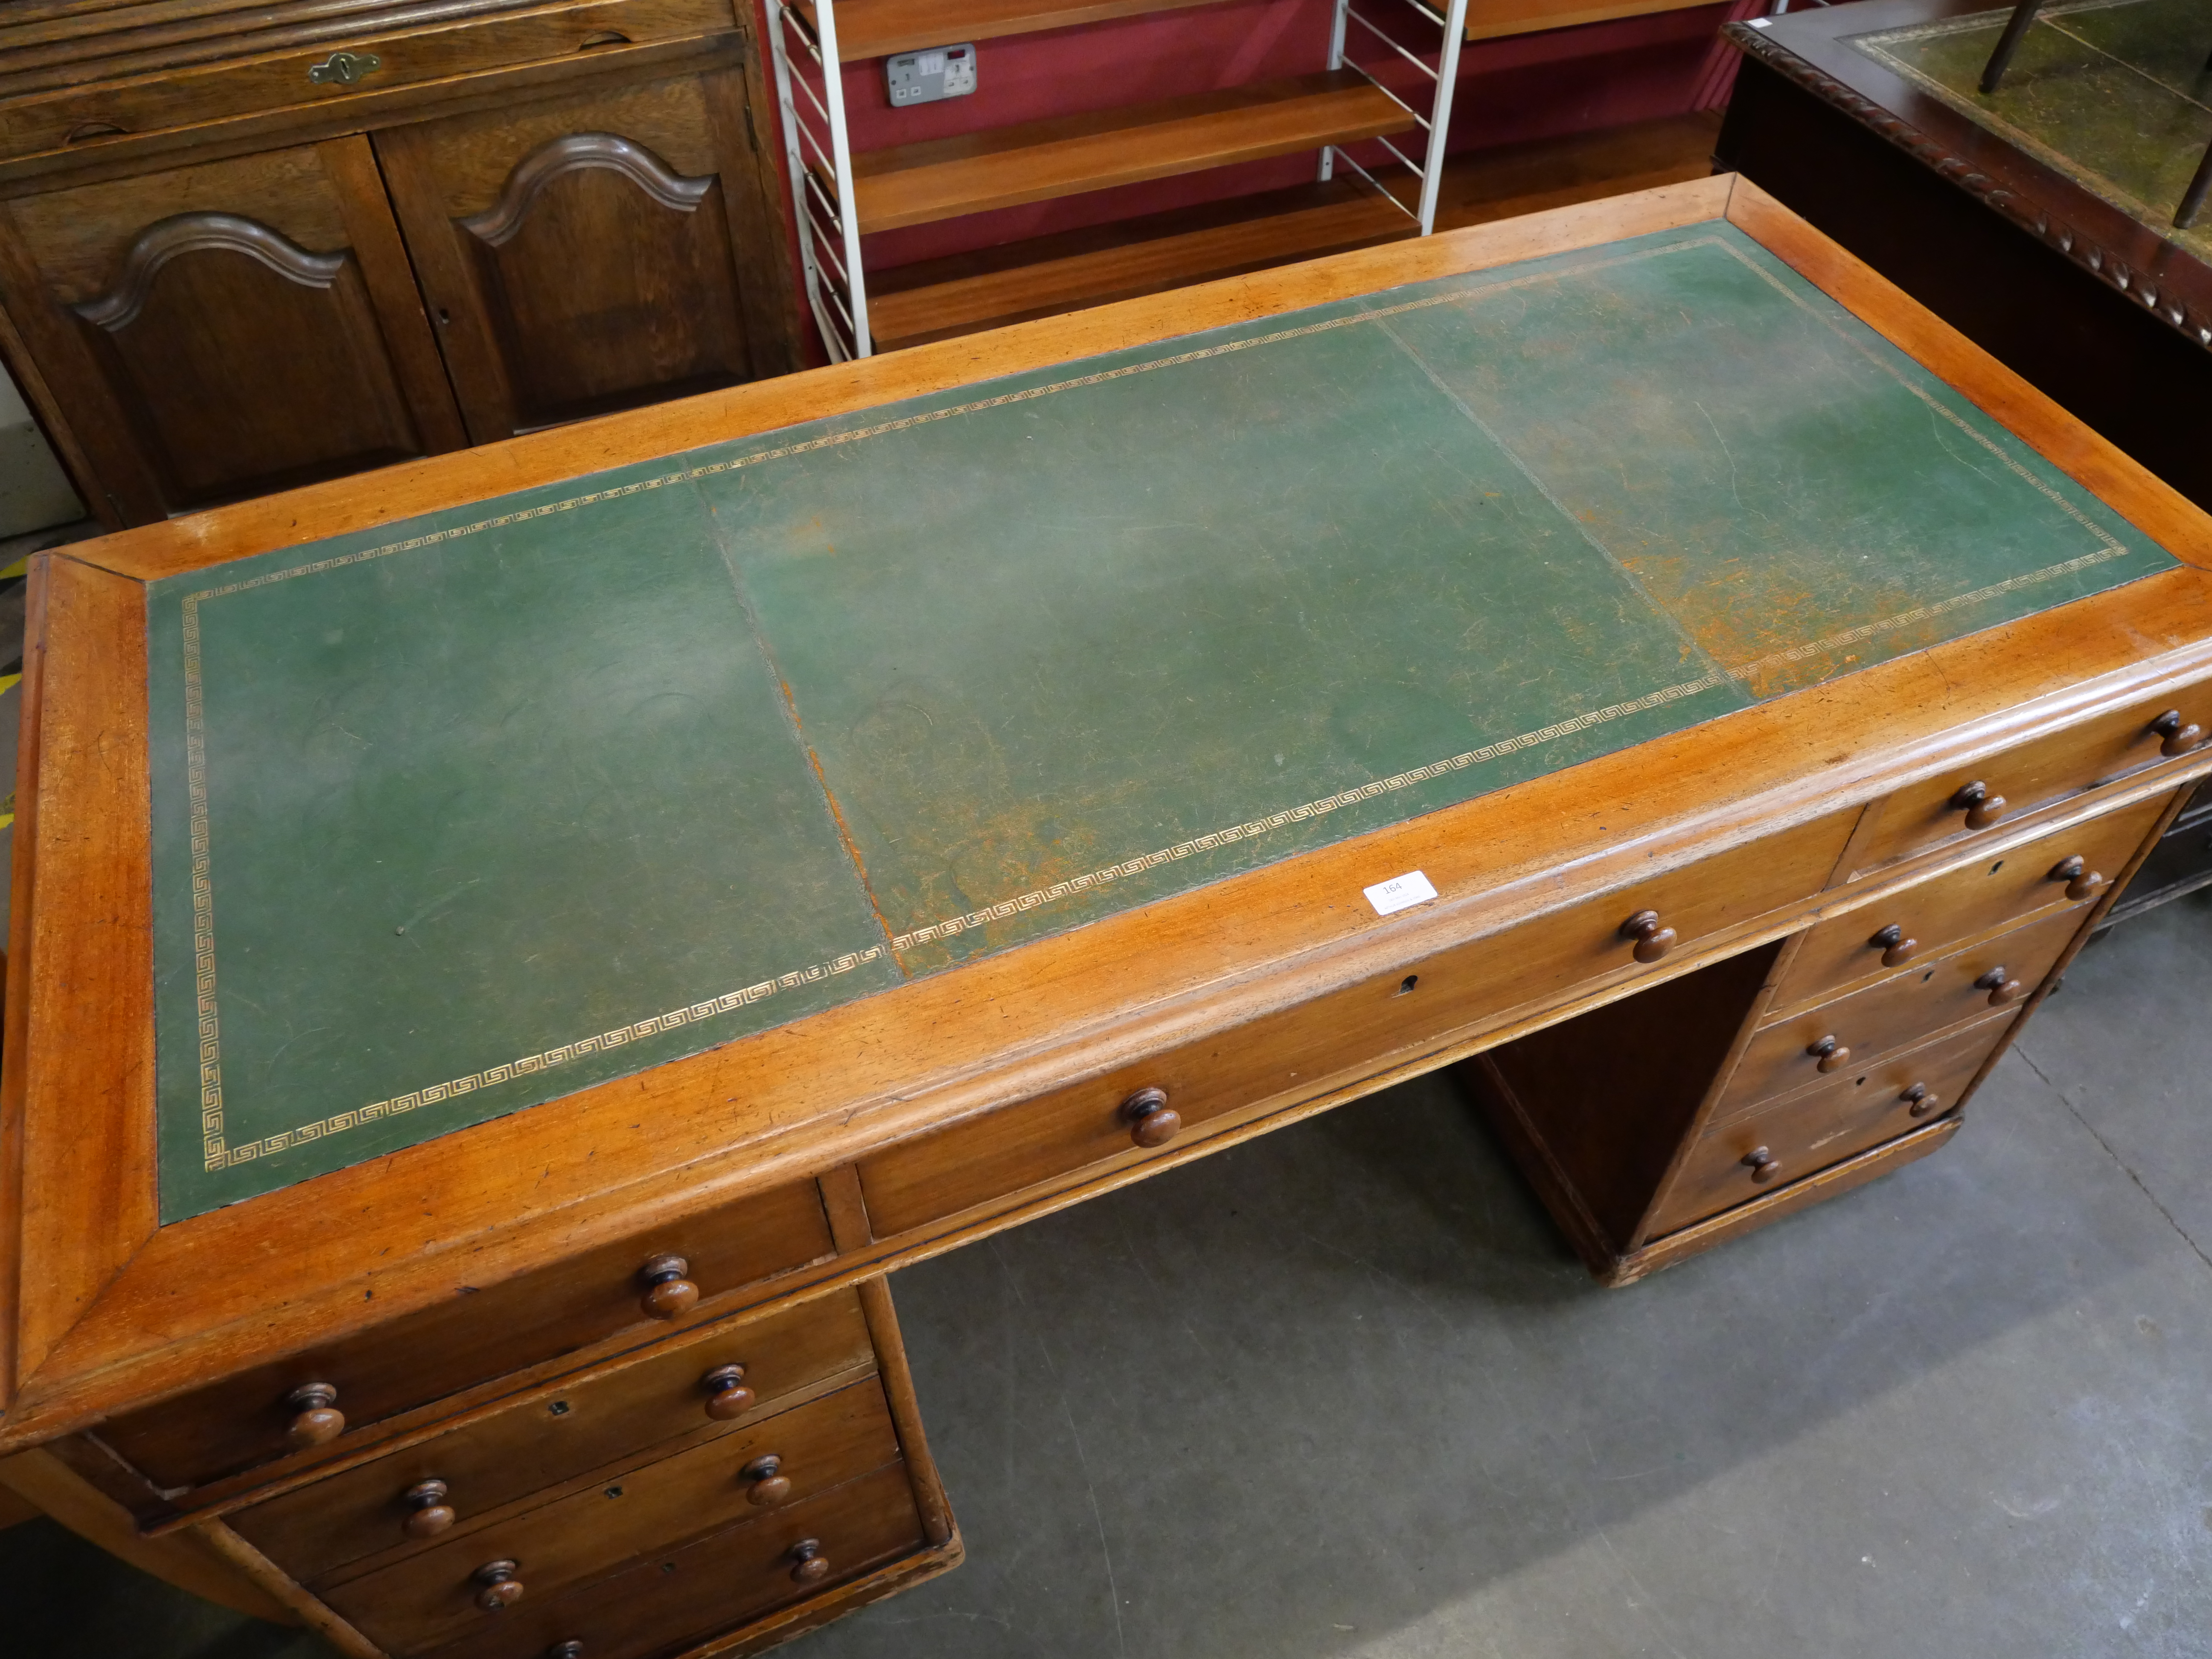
(102, 1311)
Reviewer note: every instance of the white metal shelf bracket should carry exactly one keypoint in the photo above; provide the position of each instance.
(810, 91)
(1436, 125)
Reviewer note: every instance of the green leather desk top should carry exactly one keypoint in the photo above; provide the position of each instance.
(464, 813)
(2112, 94)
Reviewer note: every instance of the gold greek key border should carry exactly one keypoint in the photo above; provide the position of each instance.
(1030, 901)
(218, 1155)
(1314, 809)
(568, 504)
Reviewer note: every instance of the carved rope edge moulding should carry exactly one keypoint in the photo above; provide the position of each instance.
(2043, 225)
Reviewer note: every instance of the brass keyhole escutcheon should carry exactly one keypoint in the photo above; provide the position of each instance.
(344, 69)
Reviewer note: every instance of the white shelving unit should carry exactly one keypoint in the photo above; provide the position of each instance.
(1347, 103)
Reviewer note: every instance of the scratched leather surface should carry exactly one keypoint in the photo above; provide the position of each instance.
(526, 796)
(2112, 94)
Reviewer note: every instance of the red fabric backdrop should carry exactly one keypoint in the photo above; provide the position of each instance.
(1511, 90)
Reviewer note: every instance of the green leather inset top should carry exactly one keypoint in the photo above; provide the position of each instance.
(459, 815)
(2112, 94)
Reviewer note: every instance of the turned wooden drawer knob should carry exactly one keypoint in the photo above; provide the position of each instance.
(2080, 880)
(1918, 1102)
(2002, 988)
(1831, 1055)
(1652, 940)
(318, 1421)
(1982, 808)
(809, 1564)
(668, 1291)
(1152, 1120)
(501, 1589)
(2175, 739)
(1762, 1165)
(429, 1514)
(770, 1486)
(1896, 948)
(727, 1396)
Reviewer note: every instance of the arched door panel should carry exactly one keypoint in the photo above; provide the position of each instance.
(243, 360)
(595, 252)
(222, 330)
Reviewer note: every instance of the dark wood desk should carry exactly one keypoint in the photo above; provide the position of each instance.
(2061, 272)
(510, 951)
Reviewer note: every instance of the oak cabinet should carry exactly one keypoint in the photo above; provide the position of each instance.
(221, 330)
(592, 252)
(384, 271)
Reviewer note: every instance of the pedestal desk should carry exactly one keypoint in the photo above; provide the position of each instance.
(511, 951)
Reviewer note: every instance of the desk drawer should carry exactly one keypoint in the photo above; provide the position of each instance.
(666, 1603)
(1002, 1152)
(131, 100)
(1986, 895)
(2034, 774)
(1810, 1132)
(1897, 1013)
(434, 1597)
(475, 1337)
(363, 1512)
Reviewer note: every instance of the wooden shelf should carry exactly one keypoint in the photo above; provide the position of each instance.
(943, 178)
(934, 299)
(1485, 185)
(870, 29)
(1488, 19)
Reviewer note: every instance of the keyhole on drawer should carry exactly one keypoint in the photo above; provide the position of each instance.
(668, 1566)
(1998, 865)
(445, 318)
(1925, 977)
(1408, 983)
(559, 1408)
(614, 1492)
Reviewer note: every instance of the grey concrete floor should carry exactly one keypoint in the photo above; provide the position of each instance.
(1341, 1392)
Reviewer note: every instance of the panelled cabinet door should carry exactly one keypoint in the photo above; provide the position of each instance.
(595, 252)
(223, 329)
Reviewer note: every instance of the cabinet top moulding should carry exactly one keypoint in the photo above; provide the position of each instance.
(75, 41)
(239, 87)
(870, 28)
(943, 178)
